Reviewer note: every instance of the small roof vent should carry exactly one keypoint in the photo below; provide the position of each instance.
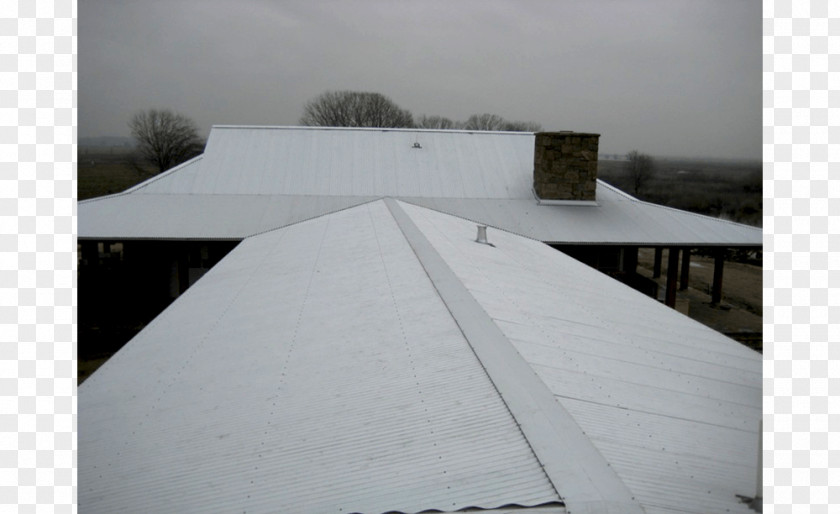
(416, 145)
(481, 236)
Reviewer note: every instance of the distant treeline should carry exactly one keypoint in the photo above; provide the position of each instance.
(729, 190)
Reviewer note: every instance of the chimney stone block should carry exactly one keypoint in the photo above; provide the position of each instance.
(565, 165)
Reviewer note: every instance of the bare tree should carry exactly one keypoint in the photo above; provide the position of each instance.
(436, 122)
(640, 169)
(165, 138)
(522, 126)
(354, 109)
(484, 121)
(489, 121)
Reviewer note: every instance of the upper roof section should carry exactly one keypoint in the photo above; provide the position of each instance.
(358, 162)
(253, 179)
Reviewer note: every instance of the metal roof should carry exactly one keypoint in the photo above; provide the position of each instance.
(379, 359)
(314, 369)
(617, 219)
(575, 467)
(671, 404)
(359, 162)
(167, 216)
(251, 179)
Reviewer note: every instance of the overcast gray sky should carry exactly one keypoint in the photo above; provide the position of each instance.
(666, 77)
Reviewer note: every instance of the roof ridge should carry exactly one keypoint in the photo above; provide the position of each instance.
(370, 129)
(660, 206)
(163, 175)
(145, 183)
(574, 467)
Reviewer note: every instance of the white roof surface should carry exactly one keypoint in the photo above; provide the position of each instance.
(251, 179)
(314, 369)
(671, 404)
(352, 363)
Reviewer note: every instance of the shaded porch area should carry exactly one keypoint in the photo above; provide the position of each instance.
(734, 307)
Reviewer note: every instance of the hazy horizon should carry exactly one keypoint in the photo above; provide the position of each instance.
(665, 77)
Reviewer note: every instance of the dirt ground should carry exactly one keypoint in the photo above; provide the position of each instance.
(740, 312)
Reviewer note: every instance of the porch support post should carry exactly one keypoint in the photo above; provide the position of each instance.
(686, 262)
(671, 284)
(717, 281)
(657, 262)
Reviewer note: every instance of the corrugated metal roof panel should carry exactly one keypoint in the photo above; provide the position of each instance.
(360, 162)
(159, 216)
(313, 369)
(578, 471)
(614, 221)
(617, 219)
(672, 405)
(252, 179)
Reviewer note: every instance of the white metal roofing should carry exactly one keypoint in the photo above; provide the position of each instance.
(359, 162)
(328, 366)
(671, 404)
(617, 219)
(314, 369)
(251, 179)
(163, 216)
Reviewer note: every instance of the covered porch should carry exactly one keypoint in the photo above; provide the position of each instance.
(701, 282)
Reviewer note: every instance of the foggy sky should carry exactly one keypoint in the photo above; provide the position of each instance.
(665, 77)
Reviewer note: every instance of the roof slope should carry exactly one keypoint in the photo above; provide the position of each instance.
(671, 404)
(142, 216)
(359, 162)
(617, 219)
(252, 179)
(314, 369)
(334, 364)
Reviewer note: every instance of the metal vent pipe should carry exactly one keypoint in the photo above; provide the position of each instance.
(481, 237)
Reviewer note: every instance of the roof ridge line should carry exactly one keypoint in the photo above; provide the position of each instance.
(574, 466)
(147, 182)
(159, 176)
(674, 209)
(369, 129)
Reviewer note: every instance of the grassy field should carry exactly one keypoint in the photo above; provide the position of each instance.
(103, 171)
(723, 189)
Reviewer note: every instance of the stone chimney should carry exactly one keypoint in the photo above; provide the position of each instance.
(565, 165)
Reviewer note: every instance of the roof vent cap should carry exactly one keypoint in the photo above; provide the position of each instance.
(481, 237)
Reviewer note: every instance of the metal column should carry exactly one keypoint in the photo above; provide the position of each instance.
(657, 262)
(717, 281)
(671, 284)
(686, 262)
